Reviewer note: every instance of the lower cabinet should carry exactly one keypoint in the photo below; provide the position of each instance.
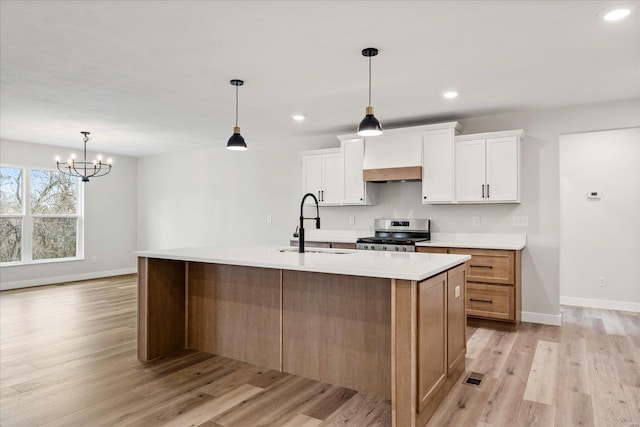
(442, 340)
(493, 285)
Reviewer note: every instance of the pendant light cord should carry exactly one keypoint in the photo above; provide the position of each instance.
(369, 81)
(236, 106)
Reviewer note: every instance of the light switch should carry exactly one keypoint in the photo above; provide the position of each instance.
(456, 291)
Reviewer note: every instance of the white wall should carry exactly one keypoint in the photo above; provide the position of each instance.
(218, 197)
(600, 238)
(109, 221)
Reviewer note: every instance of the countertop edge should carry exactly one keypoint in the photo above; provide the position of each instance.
(460, 259)
(469, 245)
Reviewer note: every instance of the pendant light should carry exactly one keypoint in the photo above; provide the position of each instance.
(236, 142)
(369, 126)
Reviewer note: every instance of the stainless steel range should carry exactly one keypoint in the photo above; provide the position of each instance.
(400, 235)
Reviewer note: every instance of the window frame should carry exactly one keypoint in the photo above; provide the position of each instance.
(26, 250)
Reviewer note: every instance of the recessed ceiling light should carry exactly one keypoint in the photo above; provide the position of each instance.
(298, 117)
(450, 94)
(616, 14)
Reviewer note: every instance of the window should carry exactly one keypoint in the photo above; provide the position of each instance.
(44, 223)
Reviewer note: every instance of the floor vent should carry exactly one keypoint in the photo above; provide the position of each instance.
(473, 378)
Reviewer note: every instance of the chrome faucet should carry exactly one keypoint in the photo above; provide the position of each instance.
(302, 218)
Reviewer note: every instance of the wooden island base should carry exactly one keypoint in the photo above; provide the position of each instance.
(400, 339)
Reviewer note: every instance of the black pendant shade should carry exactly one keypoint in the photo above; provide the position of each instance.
(369, 126)
(236, 142)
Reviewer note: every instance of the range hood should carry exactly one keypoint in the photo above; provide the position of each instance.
(402, 174)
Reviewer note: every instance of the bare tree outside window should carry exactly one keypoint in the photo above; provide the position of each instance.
(11, 214)
(54, 197)
(48, 215)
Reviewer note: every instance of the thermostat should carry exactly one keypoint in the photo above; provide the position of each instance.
(594, 195)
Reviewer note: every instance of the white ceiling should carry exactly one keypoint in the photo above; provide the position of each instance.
(149, 77)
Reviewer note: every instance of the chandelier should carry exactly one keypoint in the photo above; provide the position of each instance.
(84, 169)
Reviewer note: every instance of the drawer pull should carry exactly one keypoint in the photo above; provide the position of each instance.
(481, 266)
(488, 301)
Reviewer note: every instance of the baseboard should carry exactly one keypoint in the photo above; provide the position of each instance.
(5, 286)
(601, 303)
(542, 318)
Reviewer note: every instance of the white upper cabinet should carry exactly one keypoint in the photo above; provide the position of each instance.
(321, 175)
(470, 171)
(487, 167)
(355, 189)
(438, 154)
(503, 178)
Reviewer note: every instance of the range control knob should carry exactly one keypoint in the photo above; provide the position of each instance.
(404, 249)
(384, 248)
(397, 248)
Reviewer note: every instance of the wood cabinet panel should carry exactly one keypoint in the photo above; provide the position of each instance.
(161, 302)
(489, 265)
(337, 329)
(432, 250)
(493, 301)
(456, 319)
(234, 311)
(432, 337)
(337, 245)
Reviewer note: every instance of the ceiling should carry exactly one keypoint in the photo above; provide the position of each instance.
(149, 77)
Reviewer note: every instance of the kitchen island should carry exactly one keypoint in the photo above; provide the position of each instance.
(391, 324)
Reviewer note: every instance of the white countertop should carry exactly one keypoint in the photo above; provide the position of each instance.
(511, 241)
(390, 265)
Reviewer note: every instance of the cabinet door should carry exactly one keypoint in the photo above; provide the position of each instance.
(432, 337)
(353, 157)
(502, 169)
(470, 170)
(331, 178)
(312, 175)
(456, 318)
(438, 166)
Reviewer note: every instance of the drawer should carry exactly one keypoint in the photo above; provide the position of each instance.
(492, 301)
(432, 250)
(486, 265)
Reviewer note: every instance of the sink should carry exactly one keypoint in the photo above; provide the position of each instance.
(315, 251)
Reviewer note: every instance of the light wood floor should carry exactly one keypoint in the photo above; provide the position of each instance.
(68, 357)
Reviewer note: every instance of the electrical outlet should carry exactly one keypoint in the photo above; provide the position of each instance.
(603, 281)
(476, 221)
(352, 219)
(520, 221)
(269, 219)
(94, 259)
(457, 291)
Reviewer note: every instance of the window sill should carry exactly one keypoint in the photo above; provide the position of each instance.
(39, 261)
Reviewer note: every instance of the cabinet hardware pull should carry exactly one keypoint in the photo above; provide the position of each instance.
(322, 195)
(319, 198)
(481, 266)
(488, 301)
(483, 191)
(488, 191)
(361, 199)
